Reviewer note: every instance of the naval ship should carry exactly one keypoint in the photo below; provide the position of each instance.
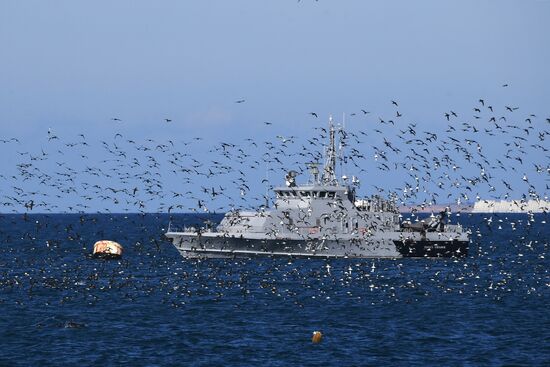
(323, 218)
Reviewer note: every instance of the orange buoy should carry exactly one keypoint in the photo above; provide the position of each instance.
(107, 250)
(317, 336)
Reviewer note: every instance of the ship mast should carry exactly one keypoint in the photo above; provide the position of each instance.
(329, 171)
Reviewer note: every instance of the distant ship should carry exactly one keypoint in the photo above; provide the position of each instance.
(323, 219)
(514, 206)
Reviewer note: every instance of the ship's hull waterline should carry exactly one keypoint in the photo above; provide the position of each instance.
(205, 246)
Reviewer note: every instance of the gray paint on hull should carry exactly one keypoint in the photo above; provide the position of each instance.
(230, 246)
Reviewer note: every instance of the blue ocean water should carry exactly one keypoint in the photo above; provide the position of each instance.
(153, 308)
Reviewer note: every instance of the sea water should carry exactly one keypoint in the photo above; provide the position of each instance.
(60, 307)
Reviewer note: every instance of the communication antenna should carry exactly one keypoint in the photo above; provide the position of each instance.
(342, 145)
(314, 171)
(267, 184)
(343, 120)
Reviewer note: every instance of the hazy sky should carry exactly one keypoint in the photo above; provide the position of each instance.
(72, 66)
(76, 63)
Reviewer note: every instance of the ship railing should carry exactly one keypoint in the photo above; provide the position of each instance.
(375, 204)
(454, 228)
(194, 229)
(174, 228)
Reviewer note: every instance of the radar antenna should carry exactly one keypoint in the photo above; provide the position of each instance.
(290, 178)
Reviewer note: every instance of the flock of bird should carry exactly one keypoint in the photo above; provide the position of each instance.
(494, 153)
(491, 154)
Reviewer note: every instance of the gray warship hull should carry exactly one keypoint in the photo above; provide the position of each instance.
(390, 245)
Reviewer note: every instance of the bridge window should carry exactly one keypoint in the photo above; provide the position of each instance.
(322, 194)
(331, 194)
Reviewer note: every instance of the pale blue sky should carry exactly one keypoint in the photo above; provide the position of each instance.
(73, 65)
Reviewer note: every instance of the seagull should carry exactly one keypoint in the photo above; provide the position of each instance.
(168, 120)
(240, 101)
(313, 114)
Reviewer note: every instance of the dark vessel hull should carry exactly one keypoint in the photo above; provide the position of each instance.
(424, 248)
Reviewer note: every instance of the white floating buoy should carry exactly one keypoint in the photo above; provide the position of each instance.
(107, 250)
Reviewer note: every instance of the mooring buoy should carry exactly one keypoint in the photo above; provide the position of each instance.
(107, 250)
(317, 336)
